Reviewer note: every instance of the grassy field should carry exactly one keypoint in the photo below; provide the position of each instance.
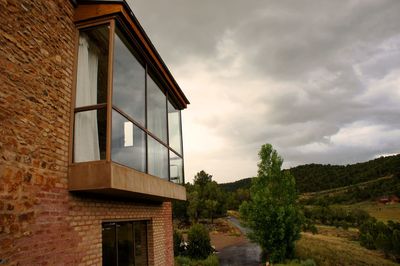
(332, 250)
(382, 212)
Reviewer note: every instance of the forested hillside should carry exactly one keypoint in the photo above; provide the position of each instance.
(317, 177)
(244, 183)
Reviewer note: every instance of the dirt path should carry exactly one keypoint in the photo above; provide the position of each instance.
(240, 252)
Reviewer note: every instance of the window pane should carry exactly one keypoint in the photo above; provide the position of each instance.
(175, 168)
(158, 158)
(128, 81)
(174, 128)
(140, 242)
(128, 143)
(108, 244)
(125, 244)
(90, 136)
(156, 110)
(92, 66)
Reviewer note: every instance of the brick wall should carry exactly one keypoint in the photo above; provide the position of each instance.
(41, 223)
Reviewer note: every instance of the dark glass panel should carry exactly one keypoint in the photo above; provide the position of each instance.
(128, 80)
(128, 143)
(174, 128)
(140, 243)
(156, 110)
(125, 244)
(108, 244)
(158, 158)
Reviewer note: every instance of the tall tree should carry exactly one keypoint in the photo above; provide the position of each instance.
(272, 213)
(202, 178)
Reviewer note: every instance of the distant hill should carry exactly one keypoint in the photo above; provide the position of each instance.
(317, 177)
(232, 186)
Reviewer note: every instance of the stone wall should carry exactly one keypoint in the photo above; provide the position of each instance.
(41, 223)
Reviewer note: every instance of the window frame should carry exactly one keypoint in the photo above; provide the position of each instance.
(115, 22)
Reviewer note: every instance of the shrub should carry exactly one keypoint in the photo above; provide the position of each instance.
(211, 260)
(178, 239)
(309, 226)
(199, 242)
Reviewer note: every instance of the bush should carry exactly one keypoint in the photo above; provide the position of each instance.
(199, 246)
(309, 226)
(211, 260)
(178, 240)
(378, 235)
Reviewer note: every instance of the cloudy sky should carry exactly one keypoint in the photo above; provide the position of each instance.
(319, 80)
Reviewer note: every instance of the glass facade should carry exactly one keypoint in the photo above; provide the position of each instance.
(176, 168)
(124, 243)
(158, 158)
(174, 128)
(128, 81)
(91, 93)
(145, 126)
(128, 145)
(156, 110)
(92, 66)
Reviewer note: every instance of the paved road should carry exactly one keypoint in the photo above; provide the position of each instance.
(246, 254)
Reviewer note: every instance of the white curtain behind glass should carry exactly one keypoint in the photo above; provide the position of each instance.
(86, 141)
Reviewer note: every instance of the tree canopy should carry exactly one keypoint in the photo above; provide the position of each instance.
(272, 213)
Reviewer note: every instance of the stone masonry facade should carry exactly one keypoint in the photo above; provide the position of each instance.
(41, 223)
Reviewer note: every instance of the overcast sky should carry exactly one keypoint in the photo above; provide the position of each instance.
(319, 80)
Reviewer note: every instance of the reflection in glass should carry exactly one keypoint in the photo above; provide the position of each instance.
(128, 143)
(125, 244)
(90, 136)
(156, 110)
(174, 128)
(158, 158)
(128, 81)
(108, 245)
(176, 168)
(140, 229)
(92, 66)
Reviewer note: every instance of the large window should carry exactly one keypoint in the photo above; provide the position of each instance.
(132, 120)
(91, 95)
(124, 243)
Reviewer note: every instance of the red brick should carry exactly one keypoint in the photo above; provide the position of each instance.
(41, 223)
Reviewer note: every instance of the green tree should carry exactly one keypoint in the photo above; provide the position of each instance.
(193, 209)
(211, 206)
(202, 178)
(199, 245)
(396, 242)
(272, 213)
(383, 242)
